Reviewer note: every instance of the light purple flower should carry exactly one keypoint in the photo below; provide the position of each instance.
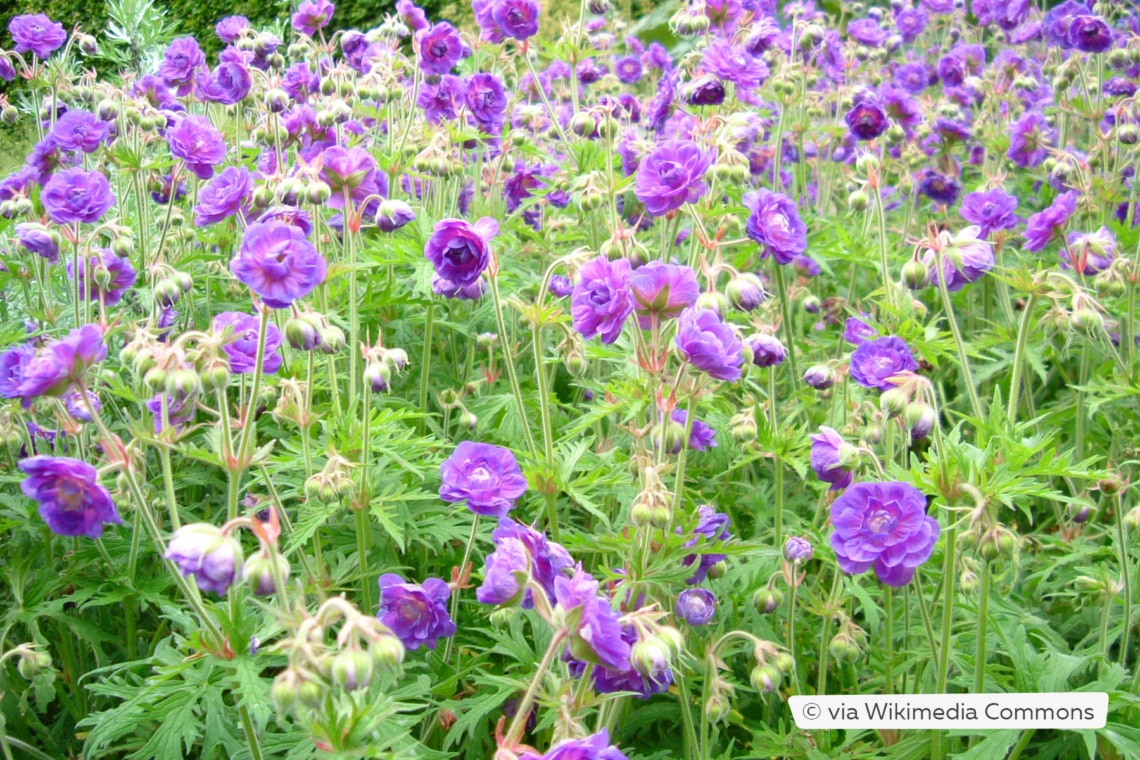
(231, 28)
(104, 276)
(597, 636)
(856, 331)
(874, 362)
(505, 574)
(79, 130)
(278, 263)
(213, 558)
(595, 747)
(991, 210)
(798, 550)
(1049, 224)
(701, 436)
(312, 16)
(351, 173)
(72, 502)
(662, 291)
(224, 196)
(696, 606)
(967, 258)
(832, 458)
(487, 477)
(774, 223)
(601, 299)
(440, 48)
(671, 175)
(767, 350)
(709, 344)
(416, 614)
(884, 526)
(37, 239)
(712, 526)
(195, 140)
(180, 62)
(13, 362)
(241, 347)
(1090, 252)
(36, 33)
(62, 362)
(74, 195)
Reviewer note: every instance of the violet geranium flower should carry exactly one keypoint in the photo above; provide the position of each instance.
(62, 362)
(195, 140)
(1048, 224)
(312, 16)
(597, 636)
(875, 362)
(278, 263)
(832, 458)
(72, 502)
(224, 196)
(991, 210)
(104, 276)
(241, 347)
(709, 344)
(671, 175)
(713, 527)
(440, 47)
(774, 223)
(212, 557)
(595, 747)
(74, 195)
(487, 477)
(36, 33)
(884, 526)
(696, 606)
(601, 300)
(460, 251)
(416, 614)
(662, 291)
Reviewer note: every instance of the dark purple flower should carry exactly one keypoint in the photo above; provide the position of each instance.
(231, 28)
(867, 120)
(597, 637)
(712, 526)
(486, 102)
(1089, 34)
(706, 91)
(79, 130)
(991, 210)
(416, 614)
(662, 291)
(392, 214)
(278, 263)
(104, 277)
(224, 196)
(60, 363)
(72, 502)
(1050, 223)
(36, 33)
(13, 362)
(440, 47)
(671, 176)
(241, 347)
(487, 477)
(412, 15)
(312, 16)
(561, 286)
(39, 240)
(832, 458)
(80, 410)
(873, 363)
(460, 251)
(696, 606)
(856, 331)
(701, 436)
(601, 300)
(74, 195)
(505, 574)
(351, 174)
(442, 100)
(940, 188)
(767, 350)
(1029, 139)
(709, 344)
(181, 60)
(774, 223)
(547, 559)
(885, 526)
(517, 19)
(595, 747)
(212, 557)
(194, 140)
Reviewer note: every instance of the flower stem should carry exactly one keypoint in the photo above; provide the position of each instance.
(455, 594)
(890, 639)
(514, 733)
(947, 627)
(1125, 571)
(983, 628)
(963, 358)
(425, 364)
(504, 341)
(789, 338)
(1019, 357)
(792, 635)
(824, 639)
(884, 261)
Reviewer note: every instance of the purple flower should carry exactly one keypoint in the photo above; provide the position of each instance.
(13, 362)
(832, 458)
(1089, 34)
(505, 574)
(866, 120)
(181, 60)
(312, 16)
(713, 527)
(1029, 140)
(79, 130)
(416, 614)
(194, 140)
(696, 606)
(873, 363)
(278, 263)
(867, 32)
(441, 101)
(412, 15)
(709, 344)
(733, 63)
(991, 210)
(628, 69)
(180, 410)
(105, 276)
(671, 176)
(1045, 225)
(460, 251)
(546, 560)
(241, 347)
(351, 174)
(440, 47)
(231, 28)
(701, 436)
(212, 557)
(774, 223)
(72, 502)
(224, 196)
(74, 195)
(938, 187)
(486, 102)
(596, 747)
(601, 299)
(392, 214)
(487, 477)
(227, 84)
(36, 33)
(767, 350)
(561, 286)
(798, 550)
(37, 239)
(597, 637)
(60, 363)
(910, 23)
(856, 331)
(517, 19)
(1089, 253)
(885, 526)
(965, 260)
(449, 289)
(662, 291)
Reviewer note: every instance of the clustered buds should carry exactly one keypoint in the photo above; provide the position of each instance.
(380, 364)
(333, 483)
(653, 506)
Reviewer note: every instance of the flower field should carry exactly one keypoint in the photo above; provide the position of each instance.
(569, 387)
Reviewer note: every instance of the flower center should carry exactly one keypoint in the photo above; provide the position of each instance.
(481, 477)
(881, 522)
(69, 494)
(439, 48)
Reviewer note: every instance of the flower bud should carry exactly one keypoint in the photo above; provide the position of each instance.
(766, 678)
(1132, 518)
(32, 662)
(915, 274)
(717, 570)
(843, 648)
(302, 333)
(819, 376)
(859, 200)
(786, 663)
(640, 514)
(767, 600)
(468, 420)
(182, 382)
(285, 689)
(387, 652)
(215, 376)
(318, 192)
(1087, 320)
(716, 708)
(88, 45)
(744, 428)
(155, 378)
(660, 517)
(968, 582)
(377, 375)
(649, 656)
(893, 401)
(332, 339)
(812, 305)
(352, 669)
(745, 292)
(258, 572)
